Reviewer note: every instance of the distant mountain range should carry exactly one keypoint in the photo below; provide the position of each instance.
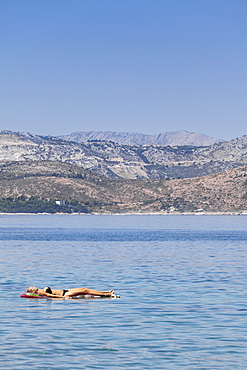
(173, 138)
(105, 176)
(117, 161)
(82, 191)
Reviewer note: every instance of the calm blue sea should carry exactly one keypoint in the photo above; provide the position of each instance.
(182, 281)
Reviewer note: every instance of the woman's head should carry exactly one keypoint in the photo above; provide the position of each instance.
(32, 289)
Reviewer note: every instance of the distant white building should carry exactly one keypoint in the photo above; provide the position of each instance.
(60, 202)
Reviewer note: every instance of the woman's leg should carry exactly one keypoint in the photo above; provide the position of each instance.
(83, 291)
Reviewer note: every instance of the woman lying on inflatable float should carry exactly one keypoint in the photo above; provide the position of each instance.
(70, 293)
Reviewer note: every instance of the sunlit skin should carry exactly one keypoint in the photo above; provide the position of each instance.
(70, 293)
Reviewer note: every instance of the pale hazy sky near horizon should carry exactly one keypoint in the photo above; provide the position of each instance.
(146, 66)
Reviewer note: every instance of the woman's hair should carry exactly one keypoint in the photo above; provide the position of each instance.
(31, 288)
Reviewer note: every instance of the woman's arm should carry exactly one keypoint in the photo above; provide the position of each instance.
(43, 292)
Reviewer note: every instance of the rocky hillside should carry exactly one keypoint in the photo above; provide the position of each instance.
(173, 138)
(223, 192)
(118, 161)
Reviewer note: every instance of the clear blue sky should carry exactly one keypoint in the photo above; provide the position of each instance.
(145, 66)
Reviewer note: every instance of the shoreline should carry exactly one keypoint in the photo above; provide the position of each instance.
(233, 213)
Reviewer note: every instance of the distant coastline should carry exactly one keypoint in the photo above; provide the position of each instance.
(239, 213)
(47, 175)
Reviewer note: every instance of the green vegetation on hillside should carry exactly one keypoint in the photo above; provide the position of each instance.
(35, 205)
(35, 186)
